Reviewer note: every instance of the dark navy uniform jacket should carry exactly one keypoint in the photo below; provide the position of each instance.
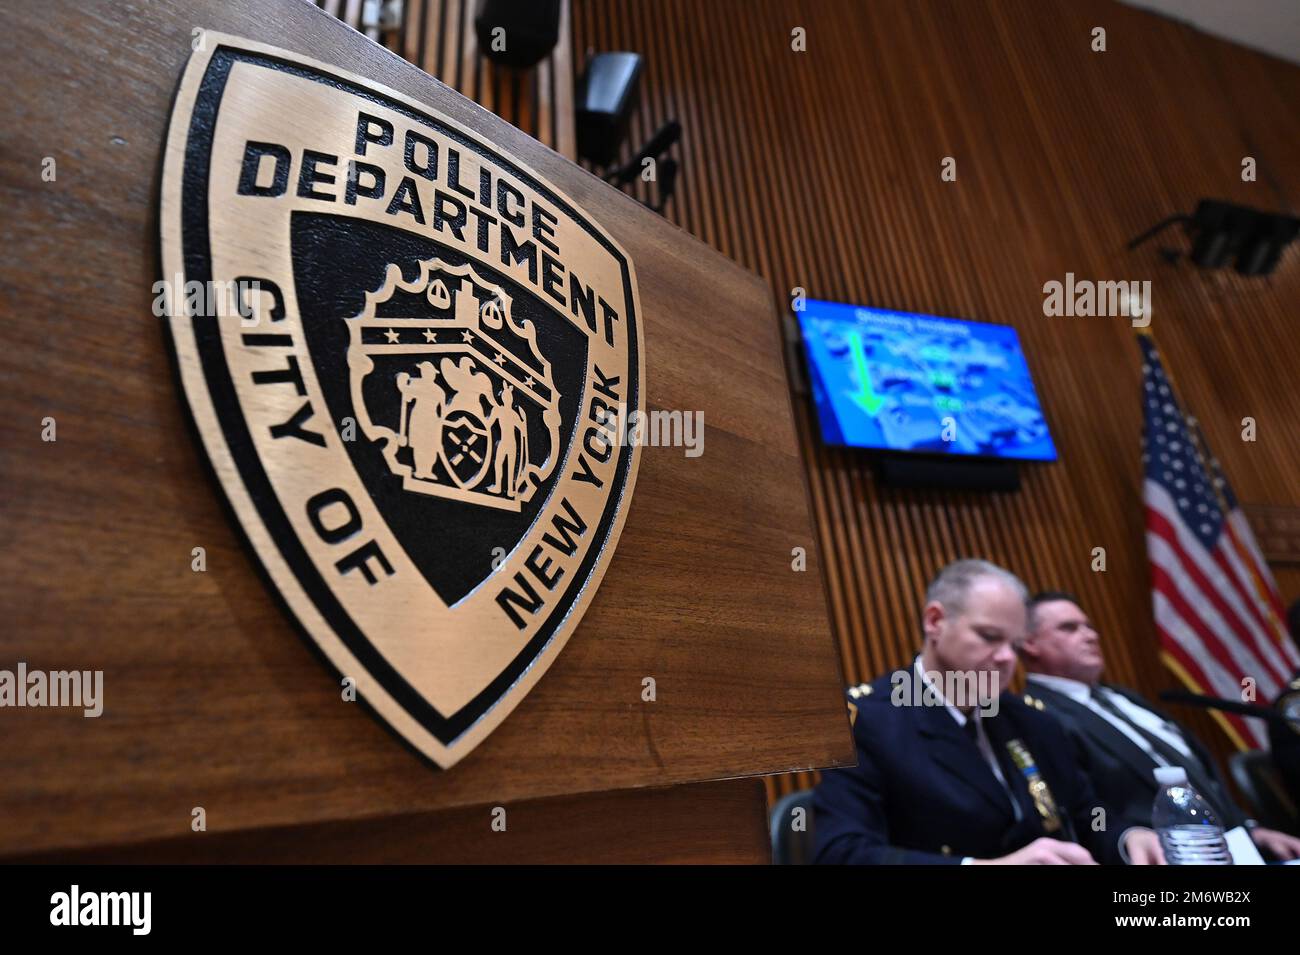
(923, 793)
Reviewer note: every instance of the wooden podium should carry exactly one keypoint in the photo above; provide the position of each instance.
(213, 698)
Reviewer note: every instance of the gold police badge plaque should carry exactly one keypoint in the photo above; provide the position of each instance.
(411, 409)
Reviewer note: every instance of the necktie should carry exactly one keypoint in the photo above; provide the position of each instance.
(1197, 774)
(1011, 776)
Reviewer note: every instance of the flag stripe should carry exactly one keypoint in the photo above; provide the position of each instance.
(1265, 584)
(1231, 560)
(1241, 527)
(1203, 621)
(1262, 629)
(1210, 678)
(1210, 579)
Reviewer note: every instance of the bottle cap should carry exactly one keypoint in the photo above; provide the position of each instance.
(1171, 775)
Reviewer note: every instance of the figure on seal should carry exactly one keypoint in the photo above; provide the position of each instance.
(422, 430)
(512, 452)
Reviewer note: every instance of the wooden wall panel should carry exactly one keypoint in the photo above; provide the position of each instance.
(715, 823)
(822, 170)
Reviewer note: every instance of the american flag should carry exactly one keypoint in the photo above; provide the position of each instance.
(1217, 608)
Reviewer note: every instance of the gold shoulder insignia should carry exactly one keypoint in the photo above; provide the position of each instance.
(862, 689)
(1033, 701)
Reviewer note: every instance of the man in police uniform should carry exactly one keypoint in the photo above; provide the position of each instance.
(955, 775)
(1122, 737)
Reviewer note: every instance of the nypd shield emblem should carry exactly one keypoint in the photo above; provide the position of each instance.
(412, 407)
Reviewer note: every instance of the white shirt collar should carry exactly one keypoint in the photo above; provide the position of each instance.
(956, 714)
(1076, 690)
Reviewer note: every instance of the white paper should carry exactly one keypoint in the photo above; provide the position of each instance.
(1242, 847)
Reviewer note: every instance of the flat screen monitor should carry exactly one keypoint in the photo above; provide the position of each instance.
(899, 381)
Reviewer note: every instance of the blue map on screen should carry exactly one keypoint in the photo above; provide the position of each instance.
(904, 382)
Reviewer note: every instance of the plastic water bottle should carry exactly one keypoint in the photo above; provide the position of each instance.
(1190, 834)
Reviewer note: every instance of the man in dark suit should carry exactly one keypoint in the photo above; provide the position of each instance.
(1122, 736)
(952, 770)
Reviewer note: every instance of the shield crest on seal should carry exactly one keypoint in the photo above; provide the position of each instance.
(413, 412)
(478, 415)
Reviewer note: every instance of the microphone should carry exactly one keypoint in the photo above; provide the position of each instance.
(667, 183)
(658, 144)
(1286, 717)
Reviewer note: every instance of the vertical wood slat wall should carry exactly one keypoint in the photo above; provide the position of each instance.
(821, 170)
(438, 36)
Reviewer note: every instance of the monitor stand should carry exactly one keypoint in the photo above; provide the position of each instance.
(947, 473)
